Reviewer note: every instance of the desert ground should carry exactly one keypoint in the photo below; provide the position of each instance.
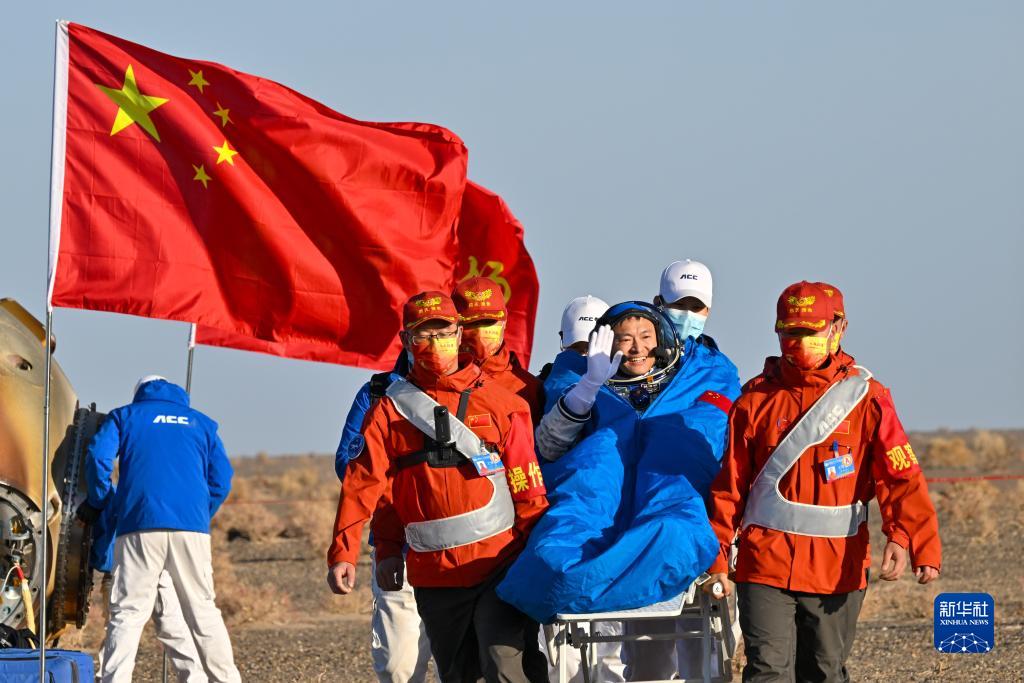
(271, 535)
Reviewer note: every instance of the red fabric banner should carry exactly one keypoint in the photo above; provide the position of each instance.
(490, 243)
(198, 193)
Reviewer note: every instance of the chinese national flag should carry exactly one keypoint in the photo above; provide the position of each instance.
(188, 191)
(490, 241)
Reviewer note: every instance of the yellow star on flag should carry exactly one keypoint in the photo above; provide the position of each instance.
(132, 105)
(201, 174)
(198, 80)
(225, 153)
(223, 114)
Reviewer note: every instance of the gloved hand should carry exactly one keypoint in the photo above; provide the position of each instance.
(389, 573)
(601, 366)
(86, 513)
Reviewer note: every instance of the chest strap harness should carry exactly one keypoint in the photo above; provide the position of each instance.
(495, 517)
(767, 507)
(439, 450)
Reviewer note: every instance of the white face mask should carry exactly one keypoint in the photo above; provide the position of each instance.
(687, 323)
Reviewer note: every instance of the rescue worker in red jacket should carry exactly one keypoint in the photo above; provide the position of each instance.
(484, 316)
(811, 441)
(448, 468)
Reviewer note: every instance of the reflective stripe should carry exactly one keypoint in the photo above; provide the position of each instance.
(416, 406)
(767, 507)
(495, 517)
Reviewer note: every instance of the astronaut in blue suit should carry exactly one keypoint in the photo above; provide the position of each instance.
(632, 448)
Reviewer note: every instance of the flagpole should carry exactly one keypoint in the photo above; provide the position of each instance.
(191, 355)
(188, 390)
(44, 503)
(58, 125)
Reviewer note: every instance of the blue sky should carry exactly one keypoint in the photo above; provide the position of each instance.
(876, 145)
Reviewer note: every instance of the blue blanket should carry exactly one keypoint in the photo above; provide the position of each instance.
(627, 526)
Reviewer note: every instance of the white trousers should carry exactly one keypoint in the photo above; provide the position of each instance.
(172, 631)
(139, 560)
(398, 642)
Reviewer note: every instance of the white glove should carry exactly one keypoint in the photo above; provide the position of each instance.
(601, 366)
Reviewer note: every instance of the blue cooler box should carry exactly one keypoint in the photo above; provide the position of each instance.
(62, 666)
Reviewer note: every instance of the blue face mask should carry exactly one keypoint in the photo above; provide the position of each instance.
(687, 323)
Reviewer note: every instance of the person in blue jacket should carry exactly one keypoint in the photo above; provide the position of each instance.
(399, 647)
(632, 447)
(173, 476)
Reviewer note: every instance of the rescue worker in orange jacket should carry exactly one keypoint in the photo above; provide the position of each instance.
(484, 316)
(447, 468)
(811, 441)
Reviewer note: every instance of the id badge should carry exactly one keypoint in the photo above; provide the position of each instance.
(487, 464)
(839, 467)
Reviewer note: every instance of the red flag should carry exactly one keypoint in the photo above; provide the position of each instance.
(190, 191)
(490, 244)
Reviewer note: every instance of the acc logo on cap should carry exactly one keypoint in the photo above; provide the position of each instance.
(478, 296)
(432, 301)
(800, 301)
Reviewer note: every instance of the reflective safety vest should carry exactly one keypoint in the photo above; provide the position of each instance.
(767, 507)
(497, 516)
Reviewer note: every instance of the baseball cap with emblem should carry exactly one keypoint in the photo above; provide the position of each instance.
(837, 298)
(432, 305)
(479, 298)
(805, 305)
(686, 278)
(579, 317)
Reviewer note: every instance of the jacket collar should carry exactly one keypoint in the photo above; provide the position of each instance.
(465, 377)
(787, 374)
(499, 362)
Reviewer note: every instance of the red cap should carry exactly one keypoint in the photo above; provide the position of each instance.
(837, 298)
(479, 298)
(804, 304)
(428, 306)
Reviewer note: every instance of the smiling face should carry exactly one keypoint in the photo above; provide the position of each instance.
(636, 338)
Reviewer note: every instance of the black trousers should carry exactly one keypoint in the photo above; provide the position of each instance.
(796, 636)
(475, 636)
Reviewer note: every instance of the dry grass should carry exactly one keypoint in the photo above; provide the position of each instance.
(977, 450)
(966, 511)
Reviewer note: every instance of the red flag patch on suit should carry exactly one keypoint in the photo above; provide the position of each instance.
(490, 244)
(186, 190)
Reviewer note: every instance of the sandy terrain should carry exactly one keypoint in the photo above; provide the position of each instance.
(286, 625)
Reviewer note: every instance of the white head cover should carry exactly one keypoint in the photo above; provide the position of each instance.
(579, 317)
(686, 278)
(147, 378)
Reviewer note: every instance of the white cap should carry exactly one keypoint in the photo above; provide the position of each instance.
(579, 317)
(686, 278)
(144, 380)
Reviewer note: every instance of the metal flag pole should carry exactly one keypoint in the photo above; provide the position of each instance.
(188, 390)
(44, 464)
(58, 125)
(191, 356)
